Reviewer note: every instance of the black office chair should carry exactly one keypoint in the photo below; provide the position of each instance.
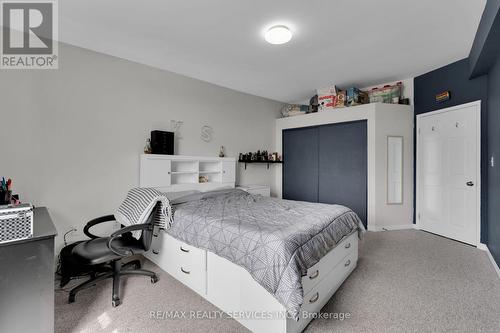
(105, 255)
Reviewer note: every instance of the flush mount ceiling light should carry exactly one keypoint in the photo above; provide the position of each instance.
(278, 34)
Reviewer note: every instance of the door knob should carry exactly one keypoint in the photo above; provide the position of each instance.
(470, 184)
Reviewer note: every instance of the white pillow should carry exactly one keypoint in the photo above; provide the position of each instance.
(175, 195)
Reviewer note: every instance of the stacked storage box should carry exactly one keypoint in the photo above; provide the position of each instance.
(386, 94)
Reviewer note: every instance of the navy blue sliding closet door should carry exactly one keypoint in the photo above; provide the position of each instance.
(300, 166)
(343, 166)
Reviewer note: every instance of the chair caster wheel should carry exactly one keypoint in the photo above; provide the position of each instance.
(154, 279)
(116, 302)
(137, 264)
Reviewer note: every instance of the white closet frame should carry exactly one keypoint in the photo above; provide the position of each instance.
(383, 120)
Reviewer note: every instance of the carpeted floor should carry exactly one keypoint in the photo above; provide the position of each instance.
(406, 281)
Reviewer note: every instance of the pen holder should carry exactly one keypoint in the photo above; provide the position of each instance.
(5, 197)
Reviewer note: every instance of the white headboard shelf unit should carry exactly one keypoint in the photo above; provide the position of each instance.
(181, 173)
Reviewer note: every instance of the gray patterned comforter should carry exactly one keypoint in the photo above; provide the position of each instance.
(275, 240)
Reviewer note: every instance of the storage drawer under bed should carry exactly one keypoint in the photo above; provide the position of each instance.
(319, 295)
(318, 272)
(184, 262)
(188, 264)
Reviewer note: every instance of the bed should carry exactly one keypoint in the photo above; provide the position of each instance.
(269, 263)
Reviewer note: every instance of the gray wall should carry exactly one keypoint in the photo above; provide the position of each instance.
(71, 138)
(494, 149)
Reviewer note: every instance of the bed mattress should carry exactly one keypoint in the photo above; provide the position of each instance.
(275, 240)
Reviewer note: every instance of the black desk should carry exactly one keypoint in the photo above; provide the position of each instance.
(27, 279)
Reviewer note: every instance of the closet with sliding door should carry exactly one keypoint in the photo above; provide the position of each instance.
(360, 157)
(327, 164)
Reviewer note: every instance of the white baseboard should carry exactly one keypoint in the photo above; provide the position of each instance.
(484, 247)
(393, 227)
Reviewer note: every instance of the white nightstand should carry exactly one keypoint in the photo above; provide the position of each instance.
(263, 190)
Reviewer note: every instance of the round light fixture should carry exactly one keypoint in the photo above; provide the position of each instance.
(278, 34)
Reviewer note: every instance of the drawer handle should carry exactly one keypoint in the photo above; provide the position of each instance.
(184, 271)
(184, 250)
(156, 251)
(347, 263)
(315, 275)
(155, 235)
(314, 299)
(348, 245)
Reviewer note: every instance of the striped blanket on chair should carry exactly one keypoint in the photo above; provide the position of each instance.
(138, 206)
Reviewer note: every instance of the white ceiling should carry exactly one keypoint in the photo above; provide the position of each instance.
(342, 42)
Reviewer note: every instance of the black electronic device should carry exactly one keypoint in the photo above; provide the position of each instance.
(162, 142)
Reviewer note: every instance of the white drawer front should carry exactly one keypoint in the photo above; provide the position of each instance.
(163, 252)
(321, 293)
(318, 272)
(189, 265)
(190, 256)
(193, 277)
(184, 262)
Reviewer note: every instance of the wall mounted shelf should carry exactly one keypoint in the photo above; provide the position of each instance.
(260, 162)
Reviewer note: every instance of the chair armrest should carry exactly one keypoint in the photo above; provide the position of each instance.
(122, 231)
(93, 222)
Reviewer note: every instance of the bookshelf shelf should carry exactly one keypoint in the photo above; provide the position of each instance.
(260, 162)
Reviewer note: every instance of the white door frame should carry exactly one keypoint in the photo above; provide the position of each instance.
(478, 169)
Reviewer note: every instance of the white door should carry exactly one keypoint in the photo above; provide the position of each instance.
(448, 172)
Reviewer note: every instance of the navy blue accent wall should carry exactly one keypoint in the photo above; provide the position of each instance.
(494, 148)
(455, 78)
(483, 84)
(486, 43)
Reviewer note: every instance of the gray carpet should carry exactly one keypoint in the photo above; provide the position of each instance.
(406, 281)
